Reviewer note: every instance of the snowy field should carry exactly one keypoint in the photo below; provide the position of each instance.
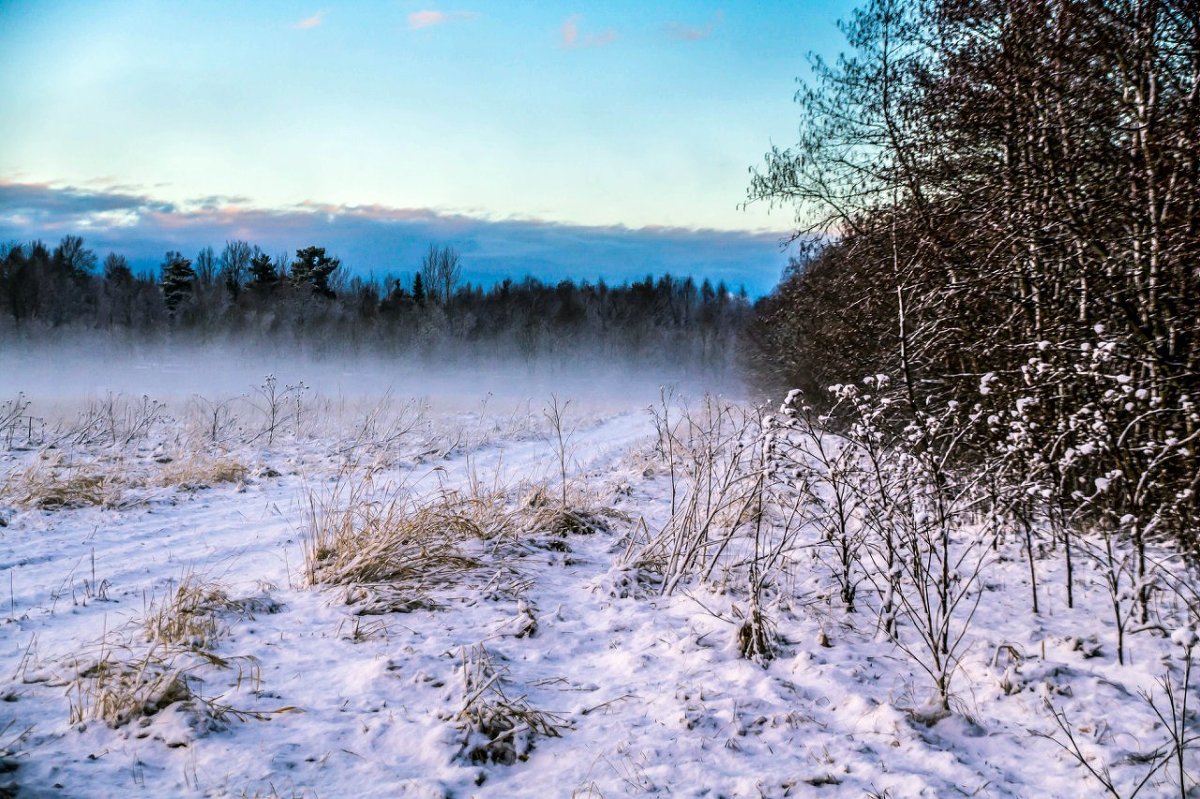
(426, 584)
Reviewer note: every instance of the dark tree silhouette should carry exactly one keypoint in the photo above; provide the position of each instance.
(116, 269)
(419, 290)
(263, 275)
(73, 257)
(178, 279)
(653, 318)
(313, 268)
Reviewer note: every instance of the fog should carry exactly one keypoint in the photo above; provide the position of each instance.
(59, 373)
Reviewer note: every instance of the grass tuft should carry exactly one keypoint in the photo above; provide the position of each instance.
(495, 727)
(191, 617)
(118, 691)
(389, 551)
(58, 485)
(200, 472)
(136, 678)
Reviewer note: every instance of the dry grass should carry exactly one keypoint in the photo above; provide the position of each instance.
(127, 684)
(136, 678)
(540, 512)
(55, 481)
(12, 741)
(389, 551)
(191, 616)
(756, 636)
(478, 514)
(495, 727)
(56, 484)
(199, 472)
(121, 687)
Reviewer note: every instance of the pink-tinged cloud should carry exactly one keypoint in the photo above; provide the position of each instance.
(573, 38)
(688, 33)
(427, 18)
(310, 22)
(570, 31)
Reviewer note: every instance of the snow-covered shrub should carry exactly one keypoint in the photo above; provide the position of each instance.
(714, 483)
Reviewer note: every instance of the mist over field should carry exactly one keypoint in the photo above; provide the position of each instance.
(76, 369)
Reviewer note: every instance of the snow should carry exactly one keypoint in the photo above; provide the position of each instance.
(647, 693)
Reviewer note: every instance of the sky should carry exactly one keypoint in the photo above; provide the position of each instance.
(564, 139)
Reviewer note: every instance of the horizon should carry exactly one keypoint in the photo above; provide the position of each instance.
(566, 141)
(375, 243)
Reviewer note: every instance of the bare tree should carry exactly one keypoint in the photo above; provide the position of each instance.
(235, 265)
(205, 266)
(441, 269)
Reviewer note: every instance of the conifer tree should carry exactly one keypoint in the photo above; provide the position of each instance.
(263, 276)
(177, 279)
(419, 290)
(312, 268)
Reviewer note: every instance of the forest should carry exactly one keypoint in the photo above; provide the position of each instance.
(313, 300)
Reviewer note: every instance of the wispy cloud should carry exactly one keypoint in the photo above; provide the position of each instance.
(310, 22)
(427, 18)
(690, 33)
(572, 37)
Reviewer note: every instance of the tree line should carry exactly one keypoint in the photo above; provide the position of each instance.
(1002, 205)
(246, 292)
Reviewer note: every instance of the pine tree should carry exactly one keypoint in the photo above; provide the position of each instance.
(177, 280)
(419, 290)
(313, 267)
(263, 276)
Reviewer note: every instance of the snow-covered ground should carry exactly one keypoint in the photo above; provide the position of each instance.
(297, 693)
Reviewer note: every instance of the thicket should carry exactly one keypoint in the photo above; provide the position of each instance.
(1004, 200)
(245, 293)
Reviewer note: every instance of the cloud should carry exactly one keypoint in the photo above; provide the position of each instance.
(427, 18)
(687, 33)
(310, 22)
(572, 37)
(53, 207)
(381, 240)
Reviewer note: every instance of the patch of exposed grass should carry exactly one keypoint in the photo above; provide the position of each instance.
(128, 684)
(495, 727)
(391, 549)
(388, 551)
(199, 472)
(136, 678)
(54, 484)
(121, 687)
(10, 756)
(583, 515)
(191, 616)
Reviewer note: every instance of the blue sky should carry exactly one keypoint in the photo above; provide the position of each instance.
(629, 121)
